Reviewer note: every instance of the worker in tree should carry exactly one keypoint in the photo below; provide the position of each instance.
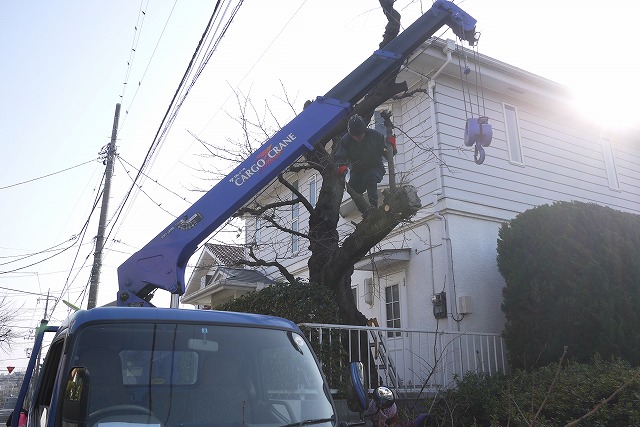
(362, 149)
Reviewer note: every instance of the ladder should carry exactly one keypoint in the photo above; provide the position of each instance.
(384, 364)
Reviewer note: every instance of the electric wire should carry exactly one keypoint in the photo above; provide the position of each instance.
(139, 187)
(257, 61)
(40, 261)
(68, 283)
(78, 237)
(47, 175)
(185, 90)
(25, 256)
(22, 292)
(152, 149)
(165, 124)
(134, 45)
(139, 85)
(183, 198)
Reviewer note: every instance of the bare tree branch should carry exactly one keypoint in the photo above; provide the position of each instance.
(280, 227)
(299, 196)
(7, 334)
(553, 383)
(595, 409)
(262, 263)
(259, 210)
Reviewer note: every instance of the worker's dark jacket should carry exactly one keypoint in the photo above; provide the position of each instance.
(362, 156)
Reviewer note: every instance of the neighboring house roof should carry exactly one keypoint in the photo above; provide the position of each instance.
(225, 284)
(241, 275)
(212, 256)
(226, 254)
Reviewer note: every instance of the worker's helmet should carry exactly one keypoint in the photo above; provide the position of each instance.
(383, 397)
(356, 125)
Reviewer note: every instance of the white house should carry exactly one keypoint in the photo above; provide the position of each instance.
(216, 280)
(542, 151)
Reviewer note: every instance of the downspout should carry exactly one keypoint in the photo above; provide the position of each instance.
(439, 192)
(450, 47)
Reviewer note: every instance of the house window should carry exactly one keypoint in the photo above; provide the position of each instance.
(392, 303)
(313, 191)
(295, 221)
(610, 164)
(354, 293)
(368, 290)
(513, 134)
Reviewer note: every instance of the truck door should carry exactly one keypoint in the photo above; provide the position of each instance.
(44, 403)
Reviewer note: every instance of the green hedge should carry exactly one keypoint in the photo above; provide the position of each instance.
(572, 273)
(481, 400)
(299, 302)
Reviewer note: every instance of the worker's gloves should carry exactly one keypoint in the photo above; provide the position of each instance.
(386, 116)
(392, 140)
(422, 420)
(342, 170)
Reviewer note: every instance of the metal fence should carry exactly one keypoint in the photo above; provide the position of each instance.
(407, 360)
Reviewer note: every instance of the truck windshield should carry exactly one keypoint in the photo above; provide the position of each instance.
(200, 375)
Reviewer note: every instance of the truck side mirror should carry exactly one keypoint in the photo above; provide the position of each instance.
(357, 388)
(76, 398)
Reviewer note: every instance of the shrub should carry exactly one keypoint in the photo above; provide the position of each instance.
(299, 302)
(572, 273)
(482, 400)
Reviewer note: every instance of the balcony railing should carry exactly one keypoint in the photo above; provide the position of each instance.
(407, 360)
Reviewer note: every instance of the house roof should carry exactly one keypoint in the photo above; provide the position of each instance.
(227, 283)
(244, 276)
(212, 256)
(226, 254)
(383, 259)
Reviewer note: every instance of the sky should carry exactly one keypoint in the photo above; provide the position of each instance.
(65, 65)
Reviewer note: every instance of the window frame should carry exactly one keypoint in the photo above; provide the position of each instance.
(511, 124)
(610, 167)
(51, 380)
(313, 190)
(394, 304)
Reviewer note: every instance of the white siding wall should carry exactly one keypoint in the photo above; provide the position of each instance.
(562, 158)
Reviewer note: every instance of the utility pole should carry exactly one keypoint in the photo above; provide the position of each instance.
(43, 324)
(97, 255)
(46, 304)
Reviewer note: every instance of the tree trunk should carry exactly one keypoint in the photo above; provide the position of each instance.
(332, 264)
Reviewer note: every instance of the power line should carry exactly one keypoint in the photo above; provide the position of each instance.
(168, 118)
(134, 44)
(40, 261)
(22, 292)
(154, 180)
(148, 63)
(46, 176)
(259, 59)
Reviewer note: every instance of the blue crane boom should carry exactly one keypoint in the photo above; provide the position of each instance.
(161, 263)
